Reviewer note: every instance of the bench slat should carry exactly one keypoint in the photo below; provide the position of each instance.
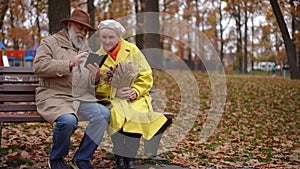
(20, 118)
(17, 107)
(168, 115)
(18, 79)
(17, 98)
(13, 118)
(17, 88)
(16, 70)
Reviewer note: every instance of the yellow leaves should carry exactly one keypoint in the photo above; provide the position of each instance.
(267, 29)
(21, 34)
(210, 33)
(121, 75)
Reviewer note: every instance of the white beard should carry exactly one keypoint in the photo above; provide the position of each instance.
(77, 40)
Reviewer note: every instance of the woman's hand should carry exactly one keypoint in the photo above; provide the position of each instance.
(95, 71)
(126, 93)
(132, 95)
(123, 92)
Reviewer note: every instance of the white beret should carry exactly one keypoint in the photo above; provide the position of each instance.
(112, 24)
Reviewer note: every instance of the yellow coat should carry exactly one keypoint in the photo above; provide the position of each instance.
(141, 119)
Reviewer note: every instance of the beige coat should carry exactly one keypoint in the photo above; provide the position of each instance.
(140, 117)
(60, 89)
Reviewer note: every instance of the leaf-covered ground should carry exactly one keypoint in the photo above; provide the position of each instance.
(259, 127)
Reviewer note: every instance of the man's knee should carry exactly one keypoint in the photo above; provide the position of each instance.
(67, 120)
(104, 112)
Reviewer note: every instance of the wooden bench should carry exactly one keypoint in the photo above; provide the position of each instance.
(17, 96)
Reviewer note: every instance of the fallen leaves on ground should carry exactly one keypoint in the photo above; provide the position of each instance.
(259, 127)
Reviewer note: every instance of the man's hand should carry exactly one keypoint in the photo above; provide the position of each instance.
(78, 59)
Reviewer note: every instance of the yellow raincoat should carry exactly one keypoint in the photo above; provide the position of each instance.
(139, 116)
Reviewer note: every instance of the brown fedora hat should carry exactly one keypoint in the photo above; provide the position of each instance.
(81, 17)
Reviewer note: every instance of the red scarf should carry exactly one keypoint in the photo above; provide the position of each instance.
(113, 53)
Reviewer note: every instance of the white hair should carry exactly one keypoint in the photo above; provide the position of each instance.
(113, 25)
(75, 38)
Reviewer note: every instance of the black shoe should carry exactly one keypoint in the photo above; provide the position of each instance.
(120, 162)
(81, 164)
(57, 164)
(130, 163)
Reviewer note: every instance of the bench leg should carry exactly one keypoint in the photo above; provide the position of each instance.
(1, 125)
(151, 146)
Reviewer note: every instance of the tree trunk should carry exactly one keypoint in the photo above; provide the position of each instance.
(296, 27)
(152, 37)
(91, 11)
(289, 45)
(15, 40)
(221, 33)
(252, 42)
(246, 40)
(57, 11)
(239, 51)
(3, 9)
(199, 64)
(140, 23)
(93, 42)
(190, 35)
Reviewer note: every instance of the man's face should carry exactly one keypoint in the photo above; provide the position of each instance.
(77, 33)
(109, 39)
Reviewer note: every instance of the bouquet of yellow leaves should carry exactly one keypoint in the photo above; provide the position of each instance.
(121, 75)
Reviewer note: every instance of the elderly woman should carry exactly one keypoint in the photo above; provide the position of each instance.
(140, 120)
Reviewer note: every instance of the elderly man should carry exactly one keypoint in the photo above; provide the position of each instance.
(66, 91)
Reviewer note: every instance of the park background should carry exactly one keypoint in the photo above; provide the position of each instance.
(260, 122)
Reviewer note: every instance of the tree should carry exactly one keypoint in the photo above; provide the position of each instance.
(57, 11)
(295, 15)
(152, 40)
(25, 23)
(238, 21)
(3, 9)
(140, 23)
(289, 45)
(221, 30)
(246, 39)
(91, 11)
(38, 9)
(92, 39)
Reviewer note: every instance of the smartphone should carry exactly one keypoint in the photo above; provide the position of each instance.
(94, 57)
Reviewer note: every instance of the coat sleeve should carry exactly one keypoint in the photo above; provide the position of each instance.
(47, 63)
(143, 83)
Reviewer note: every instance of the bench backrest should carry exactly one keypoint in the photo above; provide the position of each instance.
(17, 93)
(17, 89)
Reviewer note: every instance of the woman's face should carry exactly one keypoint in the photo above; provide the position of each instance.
(109, 39)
